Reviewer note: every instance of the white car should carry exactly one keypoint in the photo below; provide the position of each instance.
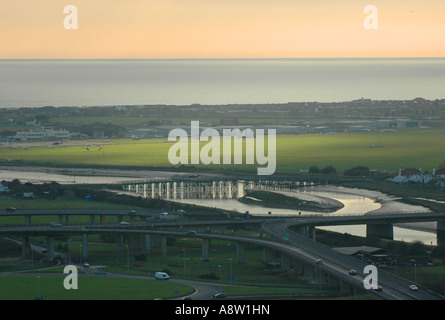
(413, 287)
(124, 223)
(86, 265)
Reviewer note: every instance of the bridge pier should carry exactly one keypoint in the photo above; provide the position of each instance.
(103, 219)
(84, 247)
(67, 219)
(285, 261)
(26, 247)
(121, 244)
(92, 219)
(311, 233)
(146, 244)
(50, 248)
(267, 255)
(163, 247)
(298, 267)
(440, 233)
(205, 249)
(240, 248)
(28, 221)
(380, 230)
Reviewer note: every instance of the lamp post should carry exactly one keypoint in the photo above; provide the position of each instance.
(149, 283)
(38, 289)
(415, 273)
(128, 258)
(231, 275)
(220, 287)
(184, 262)
(69, 251)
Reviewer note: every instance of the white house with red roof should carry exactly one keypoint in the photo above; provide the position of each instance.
(3, 188)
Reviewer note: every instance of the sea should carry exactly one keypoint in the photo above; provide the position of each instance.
(37, 83)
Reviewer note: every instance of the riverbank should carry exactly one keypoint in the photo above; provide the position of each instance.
(84, 175)
(296, 201)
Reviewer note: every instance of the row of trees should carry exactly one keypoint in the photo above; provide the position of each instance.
(353, 172)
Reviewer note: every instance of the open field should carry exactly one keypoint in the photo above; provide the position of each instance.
(89, 288)
(418, 148)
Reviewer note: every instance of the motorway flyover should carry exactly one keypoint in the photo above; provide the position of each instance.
(339, 265)
(298, 249)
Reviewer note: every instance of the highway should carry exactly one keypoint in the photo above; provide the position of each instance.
(298, 247)
(338, 264)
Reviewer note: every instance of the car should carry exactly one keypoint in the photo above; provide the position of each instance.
(131, 212)
(124, 223)
(86, 265)
(44, 251)
(318, 261)
(413, 287)
(379, 288)
(161, 276)
(10, 209)
(352, 272)
(218, 295)
(191, 233)
(56, 224)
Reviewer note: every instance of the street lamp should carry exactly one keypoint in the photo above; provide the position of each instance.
(184, 262)
(69, 251)
(415, 273)
(220, 287)
(38, 291)
(149, 283)
(231, 275)
(128, 258)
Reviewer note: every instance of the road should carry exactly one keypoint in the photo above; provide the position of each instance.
(335, 263)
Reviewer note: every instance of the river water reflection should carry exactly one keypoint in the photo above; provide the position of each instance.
(353, 200)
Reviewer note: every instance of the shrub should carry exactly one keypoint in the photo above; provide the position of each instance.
(314, 169)
(357, 172)
(329, 170)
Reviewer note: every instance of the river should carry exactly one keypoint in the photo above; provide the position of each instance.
(355, 201)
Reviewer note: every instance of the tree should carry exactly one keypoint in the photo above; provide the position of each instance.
(357, 171)
(314, 169)
(329, 170)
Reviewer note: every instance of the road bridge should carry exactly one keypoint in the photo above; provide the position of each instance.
(298, 254)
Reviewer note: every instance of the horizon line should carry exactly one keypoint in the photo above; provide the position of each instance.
(277, 58)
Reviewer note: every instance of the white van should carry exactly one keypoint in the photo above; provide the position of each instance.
(161, 276)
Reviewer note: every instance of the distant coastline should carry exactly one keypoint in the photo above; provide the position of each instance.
(38, 83)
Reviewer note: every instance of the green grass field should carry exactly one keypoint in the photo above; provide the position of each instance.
(89, 288)
(418, 148)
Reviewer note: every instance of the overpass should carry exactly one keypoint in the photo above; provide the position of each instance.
(377, 224)
(298, 254)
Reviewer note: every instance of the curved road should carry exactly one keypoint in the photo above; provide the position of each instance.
(338, 264)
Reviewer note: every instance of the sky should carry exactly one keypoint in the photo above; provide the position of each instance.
(170, 29)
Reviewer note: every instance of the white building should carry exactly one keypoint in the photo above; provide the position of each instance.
(45, 133)
(3, 188)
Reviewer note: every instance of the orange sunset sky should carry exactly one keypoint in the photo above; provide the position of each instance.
(221, 29)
